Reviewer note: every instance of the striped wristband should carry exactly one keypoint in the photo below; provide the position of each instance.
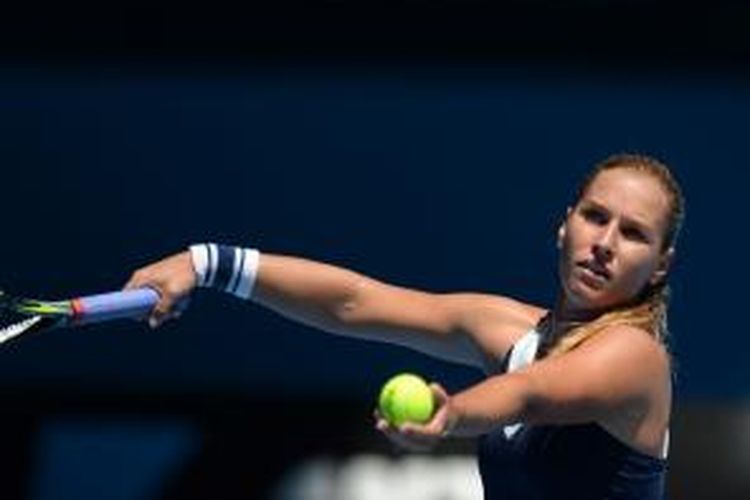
(230, 269)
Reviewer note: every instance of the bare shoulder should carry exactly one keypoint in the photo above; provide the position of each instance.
(622, 358)
(627, 361)
(619, 375)
(628, 343)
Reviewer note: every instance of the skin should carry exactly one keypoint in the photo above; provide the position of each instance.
(619, 225)
(618, 379)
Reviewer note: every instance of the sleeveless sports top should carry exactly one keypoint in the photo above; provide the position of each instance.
(563, 462)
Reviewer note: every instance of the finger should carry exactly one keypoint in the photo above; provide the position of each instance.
(377, 415)
(402, 441)
(405, 435)
(129, 285)
(415, 433)
(158, 318)
(441, 396)
(415, 430)
(161, 312)
(437, 426)
(410, 442)
(165, 306)
(136, 280)
(389, 430)
(381, 423)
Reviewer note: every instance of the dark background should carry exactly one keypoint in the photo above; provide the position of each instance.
(429, 144)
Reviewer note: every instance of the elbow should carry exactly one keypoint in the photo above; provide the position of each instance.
(346, 308)
(529, 404)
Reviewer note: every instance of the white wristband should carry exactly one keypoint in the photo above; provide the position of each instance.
(199, 256)
(248, 274)
(230, 269)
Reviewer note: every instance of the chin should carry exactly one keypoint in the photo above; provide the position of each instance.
(585, 297)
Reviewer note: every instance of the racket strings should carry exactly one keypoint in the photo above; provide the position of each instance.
(17, 327)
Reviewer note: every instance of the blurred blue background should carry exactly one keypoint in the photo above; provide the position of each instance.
(436, 179)
(436, 159)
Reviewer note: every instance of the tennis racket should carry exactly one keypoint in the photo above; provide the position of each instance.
(22, 315)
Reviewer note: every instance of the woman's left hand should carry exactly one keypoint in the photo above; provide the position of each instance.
(421, 437)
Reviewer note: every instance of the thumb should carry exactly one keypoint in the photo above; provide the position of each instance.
(440, 394)
(161, 311)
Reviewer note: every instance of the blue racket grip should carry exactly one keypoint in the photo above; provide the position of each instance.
(136, 303)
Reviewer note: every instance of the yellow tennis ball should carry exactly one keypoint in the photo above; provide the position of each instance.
(406, 398)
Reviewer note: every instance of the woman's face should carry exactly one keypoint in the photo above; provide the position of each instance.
(610, 244)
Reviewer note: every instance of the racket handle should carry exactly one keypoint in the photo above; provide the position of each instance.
(136, 303)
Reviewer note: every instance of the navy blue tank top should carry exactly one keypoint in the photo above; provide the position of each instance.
(565, 462)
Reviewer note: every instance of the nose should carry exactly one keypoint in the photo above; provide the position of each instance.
(605, 243)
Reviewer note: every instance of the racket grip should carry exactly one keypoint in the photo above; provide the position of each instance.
(136, 303)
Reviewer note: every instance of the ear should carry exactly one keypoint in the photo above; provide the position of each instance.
(562, 229)
(662, 268)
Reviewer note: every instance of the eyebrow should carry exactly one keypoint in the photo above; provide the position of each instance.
(638, 223)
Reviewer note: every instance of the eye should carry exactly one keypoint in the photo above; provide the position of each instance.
(635, 234)
(594, 215)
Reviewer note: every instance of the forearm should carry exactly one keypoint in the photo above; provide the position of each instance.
(310, 292)
(347, 303)
(499, 400)
(344, 302)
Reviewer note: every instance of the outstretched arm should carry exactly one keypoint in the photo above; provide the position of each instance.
(461, 327)
(467, 328)
(615, 377)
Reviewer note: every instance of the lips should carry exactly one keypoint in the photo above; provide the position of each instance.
(597, 269)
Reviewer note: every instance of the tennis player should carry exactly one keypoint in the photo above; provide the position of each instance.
(577, 397)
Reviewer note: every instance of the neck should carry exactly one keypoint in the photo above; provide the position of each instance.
(565, 312)
(564, 317)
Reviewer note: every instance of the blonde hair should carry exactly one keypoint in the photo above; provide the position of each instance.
(648, 310)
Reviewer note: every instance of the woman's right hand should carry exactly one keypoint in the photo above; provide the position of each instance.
(173, 278)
